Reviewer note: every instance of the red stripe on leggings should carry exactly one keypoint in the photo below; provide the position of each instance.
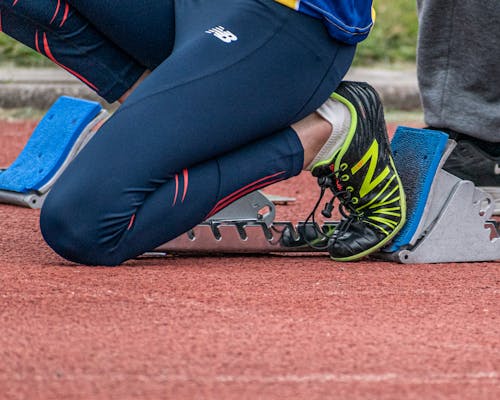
(176, 189)
(49, 54)
(186, 183)
(131, 223)
(253, 189)
(260, 183)
(56, 12)
(36, 43)
(65, 16)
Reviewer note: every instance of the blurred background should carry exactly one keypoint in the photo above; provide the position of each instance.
(392, 41)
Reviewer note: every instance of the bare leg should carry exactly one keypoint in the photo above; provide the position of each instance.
(313, 132)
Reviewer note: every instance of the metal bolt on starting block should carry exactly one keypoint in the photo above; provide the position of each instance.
(448, 219)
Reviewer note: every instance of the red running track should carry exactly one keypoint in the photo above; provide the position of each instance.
(270, 327)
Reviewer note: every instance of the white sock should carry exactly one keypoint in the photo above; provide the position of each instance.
(339, 116)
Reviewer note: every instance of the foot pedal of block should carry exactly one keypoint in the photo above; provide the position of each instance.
(448, 219)
(60, 135)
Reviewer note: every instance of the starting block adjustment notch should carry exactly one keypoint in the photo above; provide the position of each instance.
(254, 206)
(460, 232)
(448, 218)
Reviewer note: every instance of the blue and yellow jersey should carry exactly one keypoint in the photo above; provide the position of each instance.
(348, 21)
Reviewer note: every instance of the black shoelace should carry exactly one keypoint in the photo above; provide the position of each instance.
(345, 207)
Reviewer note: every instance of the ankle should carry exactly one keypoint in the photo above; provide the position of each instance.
(313, 132)
(332, 122)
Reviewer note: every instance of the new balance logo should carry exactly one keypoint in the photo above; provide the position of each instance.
(221, 33)
(370, 181)
(497, 169)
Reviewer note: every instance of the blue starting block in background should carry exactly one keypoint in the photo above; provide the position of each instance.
(448, 219)
(56, 140)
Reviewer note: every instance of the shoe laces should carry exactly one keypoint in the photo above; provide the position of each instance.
(331, 183)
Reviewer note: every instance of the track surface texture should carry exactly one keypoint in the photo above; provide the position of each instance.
(253, 327)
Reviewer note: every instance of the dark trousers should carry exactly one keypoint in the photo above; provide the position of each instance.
(210, 124)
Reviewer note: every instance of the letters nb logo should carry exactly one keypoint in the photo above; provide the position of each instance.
(221, 33)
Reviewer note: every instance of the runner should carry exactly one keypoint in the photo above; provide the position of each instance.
(219, 99)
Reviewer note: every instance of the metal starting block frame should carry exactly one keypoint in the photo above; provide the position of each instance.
(80, 117)
(245, 226)
(448, 219)
(461, 230)
(454, 224)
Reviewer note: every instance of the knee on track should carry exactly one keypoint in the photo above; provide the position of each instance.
(72, 235)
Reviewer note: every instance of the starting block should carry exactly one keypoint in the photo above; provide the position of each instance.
(448, 219)
(57, 139)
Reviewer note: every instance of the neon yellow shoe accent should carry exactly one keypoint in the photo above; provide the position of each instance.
(345, 146)
(363, 177)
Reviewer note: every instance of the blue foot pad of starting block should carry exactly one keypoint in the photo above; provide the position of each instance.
(61, 134)
(49, 145)
(417, 155)
(447, 218)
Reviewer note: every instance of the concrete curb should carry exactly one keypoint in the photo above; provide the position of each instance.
(39, 88)
(398, 88)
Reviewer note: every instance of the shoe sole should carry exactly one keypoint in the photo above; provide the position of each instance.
(389, 237)
(340, 153)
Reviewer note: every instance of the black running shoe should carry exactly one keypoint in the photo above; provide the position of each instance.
(363, 177)
(469, 162)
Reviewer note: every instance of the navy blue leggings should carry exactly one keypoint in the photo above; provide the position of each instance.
(209, 125)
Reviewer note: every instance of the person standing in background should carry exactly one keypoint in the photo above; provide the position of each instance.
(458, 66)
